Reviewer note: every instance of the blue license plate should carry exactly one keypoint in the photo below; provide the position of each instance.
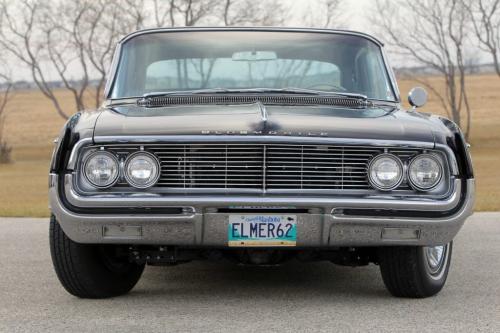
(262, 230)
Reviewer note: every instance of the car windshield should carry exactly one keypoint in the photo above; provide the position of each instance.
(193, 60)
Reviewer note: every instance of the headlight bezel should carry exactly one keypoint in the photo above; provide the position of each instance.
(115, 160)
(401, 165)
(130, 181)
(438, 161)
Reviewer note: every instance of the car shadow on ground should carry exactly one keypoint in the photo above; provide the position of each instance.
(226, 279)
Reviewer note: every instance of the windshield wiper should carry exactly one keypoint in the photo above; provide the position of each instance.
(287, 90)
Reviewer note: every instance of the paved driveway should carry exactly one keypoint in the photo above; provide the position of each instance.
(219, 297)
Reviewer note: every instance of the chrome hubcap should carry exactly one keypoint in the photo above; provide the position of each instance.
(435, 257)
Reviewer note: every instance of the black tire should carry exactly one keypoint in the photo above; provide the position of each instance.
(90, 271)
(407, 273)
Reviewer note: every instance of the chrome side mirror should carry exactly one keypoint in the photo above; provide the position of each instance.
(417, 97)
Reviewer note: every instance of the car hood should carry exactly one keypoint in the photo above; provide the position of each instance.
(256, 119)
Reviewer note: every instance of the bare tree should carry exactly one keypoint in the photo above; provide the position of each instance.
(332, 13)
(237, 12)
(251, 12)
(6, 87)
(71, 42)
(432, 33)
(104, 23)
(164, 13)
(133, 13)
(20, 36)
(70, 45)
(192, 12)
(65, 45)
(485, 16)
(324, 14)
(86, 37)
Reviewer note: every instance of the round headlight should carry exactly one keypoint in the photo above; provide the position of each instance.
(142, 170)
(101, 169)
(425, 172)
(385, 172)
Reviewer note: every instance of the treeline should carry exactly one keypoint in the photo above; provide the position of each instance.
(72, 42)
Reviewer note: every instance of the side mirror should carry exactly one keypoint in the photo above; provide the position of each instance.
(417, 97)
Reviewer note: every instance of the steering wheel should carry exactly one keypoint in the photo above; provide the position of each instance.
(326, 86)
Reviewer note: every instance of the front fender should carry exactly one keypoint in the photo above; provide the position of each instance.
(451, 135)
(79, 126)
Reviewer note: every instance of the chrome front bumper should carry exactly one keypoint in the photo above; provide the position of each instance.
(198, 222)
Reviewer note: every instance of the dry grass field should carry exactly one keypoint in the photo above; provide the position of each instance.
(32, 125)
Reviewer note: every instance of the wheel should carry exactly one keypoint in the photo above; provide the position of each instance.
(91, 271)
(415, 271)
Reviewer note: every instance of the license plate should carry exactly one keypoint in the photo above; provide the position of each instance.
(262, 230)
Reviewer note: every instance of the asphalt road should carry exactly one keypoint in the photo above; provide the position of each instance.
(208, 297)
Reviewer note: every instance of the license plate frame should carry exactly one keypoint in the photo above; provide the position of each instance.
(262, 230)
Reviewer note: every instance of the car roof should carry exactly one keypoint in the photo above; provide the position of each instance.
(262, 29)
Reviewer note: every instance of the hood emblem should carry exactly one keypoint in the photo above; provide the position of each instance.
(263, 110)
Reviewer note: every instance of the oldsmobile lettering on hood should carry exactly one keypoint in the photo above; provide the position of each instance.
(280, 133)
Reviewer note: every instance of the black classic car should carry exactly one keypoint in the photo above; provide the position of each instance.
(256, 145)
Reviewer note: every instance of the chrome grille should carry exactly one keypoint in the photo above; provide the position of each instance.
(263, 166)
(317, 167)
(211, 166)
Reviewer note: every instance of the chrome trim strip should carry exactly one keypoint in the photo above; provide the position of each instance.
(391, 75)
(397, 194)
(465, 211)
(257, 29)
(450, 157)
(217, 200)
(262, 139)
(112, 72)
(73, 157)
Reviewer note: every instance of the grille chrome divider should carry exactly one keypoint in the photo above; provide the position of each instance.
(342, 170)
(301, 167)
(264, 168)
(225, 169)
(184, 159)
